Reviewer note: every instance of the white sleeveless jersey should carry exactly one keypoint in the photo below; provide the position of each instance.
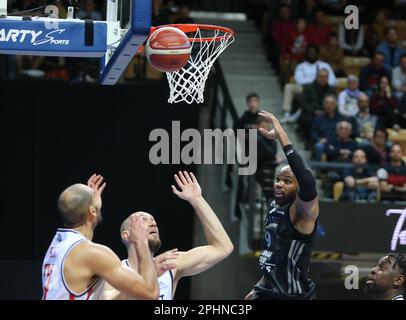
(53, 282)
(165, 282)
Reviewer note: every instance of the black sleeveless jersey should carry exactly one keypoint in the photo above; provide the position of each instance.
(285, 258)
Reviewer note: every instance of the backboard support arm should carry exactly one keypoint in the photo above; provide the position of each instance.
(116, 60)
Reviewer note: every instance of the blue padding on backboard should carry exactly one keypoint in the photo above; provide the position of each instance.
(141, 12)
(51, 38)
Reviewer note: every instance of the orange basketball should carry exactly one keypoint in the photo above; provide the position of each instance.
(168, 49)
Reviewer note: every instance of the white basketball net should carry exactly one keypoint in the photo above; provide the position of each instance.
(187, 84)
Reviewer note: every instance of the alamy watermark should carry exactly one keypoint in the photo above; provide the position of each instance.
(351, 281)
(352, 19)
(206, 148)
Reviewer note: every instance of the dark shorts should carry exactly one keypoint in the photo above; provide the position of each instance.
(261, 293)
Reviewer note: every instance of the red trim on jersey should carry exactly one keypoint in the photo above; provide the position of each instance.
(71, 296)
(47, 272)
(44, 297)
(89, 293)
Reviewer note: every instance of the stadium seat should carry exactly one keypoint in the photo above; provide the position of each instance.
(352, 65)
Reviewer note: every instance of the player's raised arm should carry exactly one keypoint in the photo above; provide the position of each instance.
(219, 245)
(306, 202)
(103, 262)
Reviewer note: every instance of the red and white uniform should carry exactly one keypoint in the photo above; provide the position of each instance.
(165, 282)
(53, 281)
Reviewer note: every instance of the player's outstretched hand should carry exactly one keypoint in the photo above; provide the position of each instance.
(188, 185)
(165, 261)
(139, 230)
(96, 183)
(277, 130)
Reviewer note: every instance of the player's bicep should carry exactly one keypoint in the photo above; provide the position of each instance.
(197, 260)
(308, 210)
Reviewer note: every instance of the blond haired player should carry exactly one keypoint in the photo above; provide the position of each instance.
(74, 266)
(173, 265)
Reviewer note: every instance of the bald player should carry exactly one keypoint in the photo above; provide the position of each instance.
(173, 265)
(290, 227)
(74, 265)
(387, 280)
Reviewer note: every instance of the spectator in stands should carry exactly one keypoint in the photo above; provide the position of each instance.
(393, 176)
(360, 181)
(365, 134)
(351, 40)
(250, 116)
(63, 7)
(333, 55)
(370, 74)
(399, 78)
(312, 100)
(305, 73)
(319, 30)
(282, 27)
(364, 118)
(160, 16)
(293, 50)
(184, 15)
(375, 32)
(342, 147)
(294, 47)
(390, 48)
(377, 150)
(384, 103)
(323, 129)
(89, 11)
(280, 30)
(348, 98)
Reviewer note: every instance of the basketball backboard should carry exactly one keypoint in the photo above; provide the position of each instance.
(115, 41)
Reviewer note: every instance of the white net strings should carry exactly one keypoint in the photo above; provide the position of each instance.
(187, 84)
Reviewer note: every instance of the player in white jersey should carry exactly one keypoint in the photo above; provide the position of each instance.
(165, 277)
(387, 280)
(173, 265)
(74, 265)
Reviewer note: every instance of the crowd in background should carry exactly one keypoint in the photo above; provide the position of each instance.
(343, 89)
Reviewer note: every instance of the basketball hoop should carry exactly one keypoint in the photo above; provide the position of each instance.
(208, 42)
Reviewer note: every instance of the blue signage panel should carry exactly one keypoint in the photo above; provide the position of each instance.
(51, 38)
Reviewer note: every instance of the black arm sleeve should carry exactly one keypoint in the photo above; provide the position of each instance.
(302, 172)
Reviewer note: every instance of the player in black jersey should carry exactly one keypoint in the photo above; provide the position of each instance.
(387, 281)
(290, 227)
